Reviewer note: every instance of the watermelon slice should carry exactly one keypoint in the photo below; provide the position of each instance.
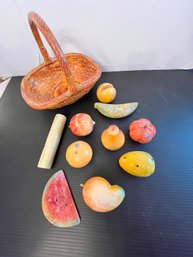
(57, 203)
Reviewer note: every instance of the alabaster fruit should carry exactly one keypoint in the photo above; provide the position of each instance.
(81, 124)
(78, 154)
(52, 142)
(116, 111)
(137, 163)
(106, 93)
(142, 131)
(112, 138)
(100, 196)
(57, 203)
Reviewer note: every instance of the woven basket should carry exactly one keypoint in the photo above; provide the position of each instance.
(60, 81)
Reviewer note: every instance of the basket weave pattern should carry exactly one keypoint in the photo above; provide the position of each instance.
(60, 81)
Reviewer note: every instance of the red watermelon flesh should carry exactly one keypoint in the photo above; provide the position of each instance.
(57, 203)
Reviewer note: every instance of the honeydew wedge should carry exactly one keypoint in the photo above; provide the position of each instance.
(116, 111)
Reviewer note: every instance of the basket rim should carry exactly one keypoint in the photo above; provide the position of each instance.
(60, 98)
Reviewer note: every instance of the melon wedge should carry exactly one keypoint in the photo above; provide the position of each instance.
(57, 203)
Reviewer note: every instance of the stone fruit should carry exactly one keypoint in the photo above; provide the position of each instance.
(81, 124)
(112, 138)
(52, 142)
(78, 154)
(137, 163)
(106, 93)
(57, 203)
(142, 131)
(116, 111)
(100, 196)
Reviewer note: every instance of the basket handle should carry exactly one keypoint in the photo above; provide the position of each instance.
(36, 22)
